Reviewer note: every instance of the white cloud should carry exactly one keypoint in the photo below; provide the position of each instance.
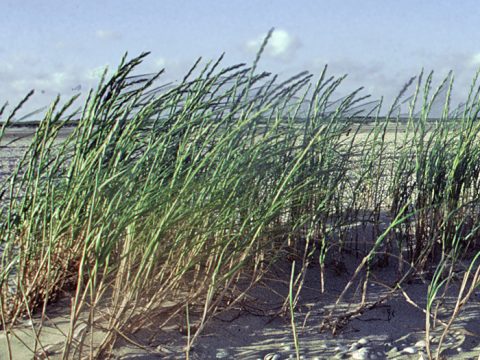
(19, 85)
(96, 73)
(475, 60)
(281, 45)
(108, 34)
(60, 78)
(56, 82)
(174, 69)
(160, 62)
(20, 74)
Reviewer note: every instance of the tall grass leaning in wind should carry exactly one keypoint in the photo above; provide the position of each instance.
(177, 196)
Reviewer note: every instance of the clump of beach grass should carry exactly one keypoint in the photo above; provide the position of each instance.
(177, 196)
(164, 196)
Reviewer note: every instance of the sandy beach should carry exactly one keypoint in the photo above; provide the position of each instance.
(256, 328)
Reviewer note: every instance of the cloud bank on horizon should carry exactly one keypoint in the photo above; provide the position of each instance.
(63, 48)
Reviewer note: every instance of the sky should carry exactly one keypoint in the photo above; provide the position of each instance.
(61, 47)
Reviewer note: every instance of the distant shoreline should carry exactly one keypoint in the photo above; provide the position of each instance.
(33, 124)
(357, 119)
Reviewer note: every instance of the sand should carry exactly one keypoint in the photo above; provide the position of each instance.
(394, 329)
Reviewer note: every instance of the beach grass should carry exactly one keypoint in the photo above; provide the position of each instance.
(183, 196)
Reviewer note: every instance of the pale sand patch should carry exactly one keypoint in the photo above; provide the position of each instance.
(251, 331)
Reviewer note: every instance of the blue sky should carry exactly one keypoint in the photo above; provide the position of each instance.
(54, 46)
